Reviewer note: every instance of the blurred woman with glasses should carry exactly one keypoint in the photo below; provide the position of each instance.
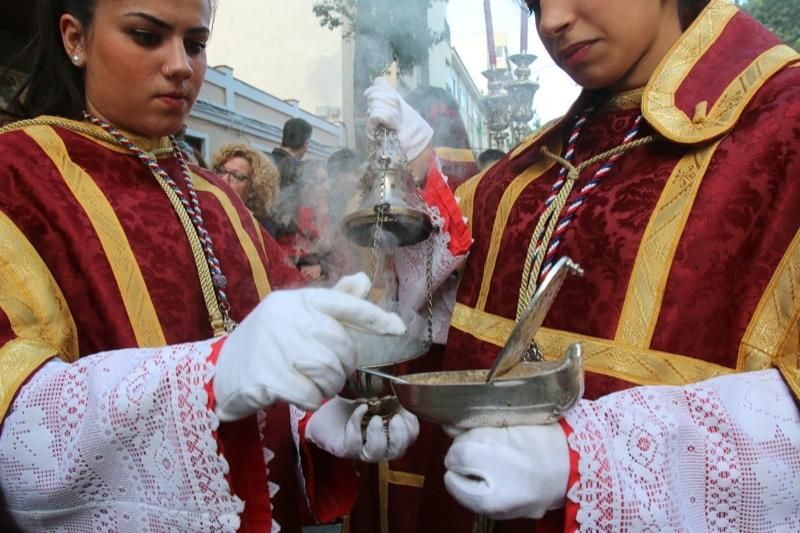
(251, 175)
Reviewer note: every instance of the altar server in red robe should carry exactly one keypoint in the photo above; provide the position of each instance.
(450, 141)
(130, 401)
(673, 181)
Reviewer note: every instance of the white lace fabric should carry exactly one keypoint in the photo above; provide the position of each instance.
(411, 264)
(119, 441)
(296, 415)
(269, 455)
(721, 455)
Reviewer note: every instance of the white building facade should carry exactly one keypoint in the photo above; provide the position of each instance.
(297, 59)
(229, 110)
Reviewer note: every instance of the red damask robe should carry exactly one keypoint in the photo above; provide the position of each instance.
(458, 164)
(690, 246)
(94, 258)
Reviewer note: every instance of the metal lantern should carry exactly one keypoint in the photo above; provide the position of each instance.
(391, 213)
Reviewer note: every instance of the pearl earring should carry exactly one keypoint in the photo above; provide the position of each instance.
(76, 60)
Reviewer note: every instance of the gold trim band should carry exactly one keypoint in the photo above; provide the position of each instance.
(131, 284)
(601, 356)
(773, 333)
(160, 147)
(658, 104)
(465, 194)
(35, 308)
(30, 296)
(653, 263)
(510, 197)
(406, 479)
(248, 246)
(19, 358)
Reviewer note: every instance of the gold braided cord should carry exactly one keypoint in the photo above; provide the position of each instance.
(203, 271)
(77, 127)
(550, 218)
(551, 215)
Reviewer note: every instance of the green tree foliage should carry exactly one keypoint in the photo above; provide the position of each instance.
(780, 16)
(395, 30)
(383, 32)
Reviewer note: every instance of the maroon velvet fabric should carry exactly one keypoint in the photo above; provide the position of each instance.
(712, 73)
(38, 201)
(743, 219)
(457, 172)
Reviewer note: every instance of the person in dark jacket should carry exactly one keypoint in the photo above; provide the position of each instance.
(294, 144)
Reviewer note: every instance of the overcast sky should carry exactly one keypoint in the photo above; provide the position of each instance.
(468, 35)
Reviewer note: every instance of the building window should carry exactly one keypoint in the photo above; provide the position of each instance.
(198, 146)
(196, 142)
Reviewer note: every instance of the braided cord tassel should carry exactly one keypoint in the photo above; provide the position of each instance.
(548, 233)
(526, 290)
(191, 205)
(574, 205)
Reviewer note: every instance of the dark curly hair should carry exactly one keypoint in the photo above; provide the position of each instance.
(264, 175)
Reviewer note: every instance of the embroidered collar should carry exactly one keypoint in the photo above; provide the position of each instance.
(156, 146)
(703, 84)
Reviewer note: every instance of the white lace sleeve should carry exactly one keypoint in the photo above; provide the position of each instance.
(411, 263)
(295, 416)
(445, 250)
(722, 455)
(119, 441)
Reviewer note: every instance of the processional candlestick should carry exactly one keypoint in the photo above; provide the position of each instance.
(497, 107)
(521, 92)
(508, 106)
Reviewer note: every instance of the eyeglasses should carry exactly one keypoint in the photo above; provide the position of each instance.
(235, 174)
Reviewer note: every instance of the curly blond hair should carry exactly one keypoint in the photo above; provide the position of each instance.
(264, 175)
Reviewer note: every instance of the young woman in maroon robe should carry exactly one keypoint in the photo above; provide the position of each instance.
(130, 401)
(672, 181)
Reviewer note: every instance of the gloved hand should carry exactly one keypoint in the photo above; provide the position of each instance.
(512, 472)
(293, 347)
(386, 107)
(336, 428)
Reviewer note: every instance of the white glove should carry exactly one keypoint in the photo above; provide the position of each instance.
(293, 347)
(512, 472)
(336, 428)
(386, 107)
